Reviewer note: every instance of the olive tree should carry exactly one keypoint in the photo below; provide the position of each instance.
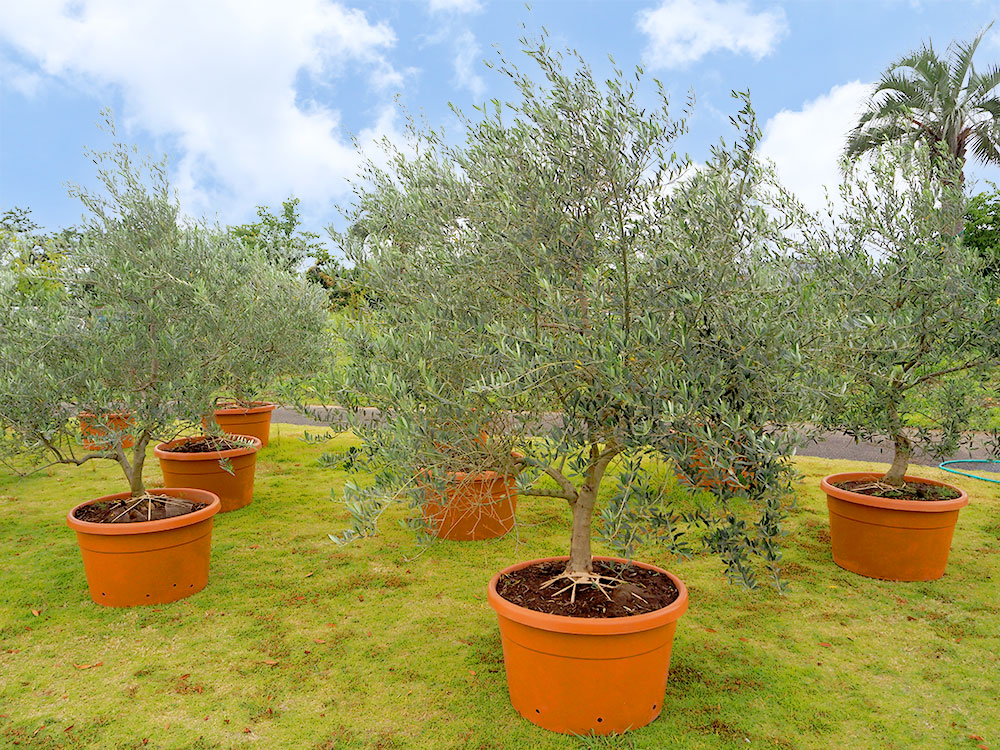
(145, 314)
(564, 298)
(912, 318)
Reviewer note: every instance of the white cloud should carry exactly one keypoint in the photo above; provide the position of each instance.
(806, 144)
(219, 80)
(683, 31)
(466, 56)
(19, 78)
(454, 6)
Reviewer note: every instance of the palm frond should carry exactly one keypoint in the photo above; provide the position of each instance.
(982, 84)
(862, 140)
(990, 106)
(895, 82)
(983, 143)
(961, 64)
(928, 67)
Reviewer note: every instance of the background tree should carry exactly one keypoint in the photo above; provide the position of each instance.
(32, 255)
(942, 102)
(542, 284)
(908, 308)
(281, 238)
(982, 229)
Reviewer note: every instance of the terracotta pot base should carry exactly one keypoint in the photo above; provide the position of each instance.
(94, 434)
(583, 676)
(887, 538)
(202, 471)
(254, 421)
(475, 507)
(150, 562)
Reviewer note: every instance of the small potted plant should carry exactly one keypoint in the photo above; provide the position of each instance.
(912, 324)
(541, 273)
(128, 321)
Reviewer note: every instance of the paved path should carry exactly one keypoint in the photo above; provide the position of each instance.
(830, 445)
(837, 446)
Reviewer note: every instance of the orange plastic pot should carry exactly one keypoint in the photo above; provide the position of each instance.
(474, 507)
(897, 540)
(94, 429)
(204, 472)
(149, 562)
(254, 421)
(706, 478)
(578, 675)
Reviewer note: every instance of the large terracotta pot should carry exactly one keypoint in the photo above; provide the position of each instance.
(203, 471)
(474, 506)
(898, 540)
(94, 429)
(254, 421)
(149, 562)
(579, 675)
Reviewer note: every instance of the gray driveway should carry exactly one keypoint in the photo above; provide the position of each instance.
(830, 445)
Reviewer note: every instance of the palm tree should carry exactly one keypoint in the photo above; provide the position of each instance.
(940, 101)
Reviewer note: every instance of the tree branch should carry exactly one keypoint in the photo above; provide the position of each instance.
(946, 371)
(568, 490)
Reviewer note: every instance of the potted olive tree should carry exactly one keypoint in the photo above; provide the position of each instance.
(283, 345)
(276, 327)
(912, 324)
(132, 318)
(555, 306)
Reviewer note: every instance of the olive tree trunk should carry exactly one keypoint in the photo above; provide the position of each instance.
(900, 460)
(581, 559)
(133, 469)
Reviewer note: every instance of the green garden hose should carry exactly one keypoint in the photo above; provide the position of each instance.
(945, 464)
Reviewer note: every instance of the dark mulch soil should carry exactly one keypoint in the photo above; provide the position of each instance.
(910, 491)
(205, 445)
(240, 404)
(635, 592)
(135, 509)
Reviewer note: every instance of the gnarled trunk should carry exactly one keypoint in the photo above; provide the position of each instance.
(581, 560)
(133, 470)
(900, 460)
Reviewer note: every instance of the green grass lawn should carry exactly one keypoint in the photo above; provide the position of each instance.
(298, 643)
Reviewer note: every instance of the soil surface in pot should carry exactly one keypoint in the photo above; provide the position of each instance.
(205, 445)
(136, 509)
(241, 404)
(632, 590)
(910, 491)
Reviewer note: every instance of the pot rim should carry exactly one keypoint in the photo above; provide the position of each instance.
(148, 527)
(263, 406)
(889, 503)
(478, 476)
(161, 452)
(127, 414)
(588, 625)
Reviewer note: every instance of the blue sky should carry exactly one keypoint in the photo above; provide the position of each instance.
(255, 100)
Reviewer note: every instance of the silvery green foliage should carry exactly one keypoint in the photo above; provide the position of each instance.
(552, 285)
(291, 338)
(910, 310)
(145, 314)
